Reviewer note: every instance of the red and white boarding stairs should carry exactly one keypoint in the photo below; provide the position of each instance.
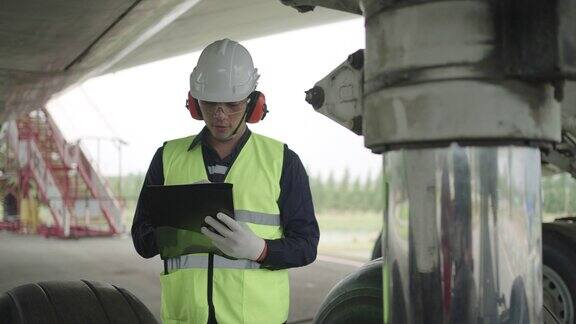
(79, 199)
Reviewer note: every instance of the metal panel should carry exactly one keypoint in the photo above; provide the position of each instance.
(538, 38)
(30, 90)
(435, 34)
(217, 19)
(47, 46)
(462, 236)
(434, 73)
(39, 35)
(460, 110)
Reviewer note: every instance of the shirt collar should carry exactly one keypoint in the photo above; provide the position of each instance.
(202, 138)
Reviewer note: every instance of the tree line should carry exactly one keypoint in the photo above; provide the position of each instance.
(558, 193)
(328, 193)
(349, 193)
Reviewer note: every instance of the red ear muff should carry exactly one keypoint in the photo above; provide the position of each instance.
(193, 107)
(256, 109)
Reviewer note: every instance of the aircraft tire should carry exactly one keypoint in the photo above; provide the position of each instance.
(355, 299)
(68, 302)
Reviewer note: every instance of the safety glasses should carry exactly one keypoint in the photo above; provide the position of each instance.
(228, 108)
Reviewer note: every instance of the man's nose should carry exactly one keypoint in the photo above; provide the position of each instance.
(219, 111)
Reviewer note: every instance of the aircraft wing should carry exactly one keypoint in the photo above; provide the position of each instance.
(48, 46)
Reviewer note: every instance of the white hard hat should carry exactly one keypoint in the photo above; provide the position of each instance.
(224, 73)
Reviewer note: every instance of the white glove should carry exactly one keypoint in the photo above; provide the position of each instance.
(237, 240)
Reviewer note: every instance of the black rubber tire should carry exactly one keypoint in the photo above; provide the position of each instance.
(355, 299)
(558, 255)
(71, 302)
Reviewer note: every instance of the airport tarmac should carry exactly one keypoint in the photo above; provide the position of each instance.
(28, 258)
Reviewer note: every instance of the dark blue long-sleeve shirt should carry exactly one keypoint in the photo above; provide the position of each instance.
(301, 234)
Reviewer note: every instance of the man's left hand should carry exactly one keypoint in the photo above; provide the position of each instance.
(235, 240)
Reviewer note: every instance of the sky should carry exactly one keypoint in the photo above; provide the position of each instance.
(144, 105)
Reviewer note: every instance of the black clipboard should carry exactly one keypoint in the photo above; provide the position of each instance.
(177, 212)
(186, 206)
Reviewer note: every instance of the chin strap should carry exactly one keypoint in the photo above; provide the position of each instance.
(237, 126)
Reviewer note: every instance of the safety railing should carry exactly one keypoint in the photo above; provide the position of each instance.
(60, 169)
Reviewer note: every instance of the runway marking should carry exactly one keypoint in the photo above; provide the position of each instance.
(331, 259)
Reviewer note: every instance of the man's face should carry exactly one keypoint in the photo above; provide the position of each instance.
(222, 118)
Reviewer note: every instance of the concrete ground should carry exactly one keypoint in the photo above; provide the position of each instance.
(26, 259)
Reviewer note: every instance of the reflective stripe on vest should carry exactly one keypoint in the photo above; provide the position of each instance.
(201, 262)
(189, 261)
(256, 218)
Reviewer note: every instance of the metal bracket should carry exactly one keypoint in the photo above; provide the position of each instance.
(339, 95)
(351, 6)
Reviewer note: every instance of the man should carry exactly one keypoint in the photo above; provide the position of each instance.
(275, 226)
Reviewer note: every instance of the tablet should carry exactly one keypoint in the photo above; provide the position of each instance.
(186, 206)
(178, 211)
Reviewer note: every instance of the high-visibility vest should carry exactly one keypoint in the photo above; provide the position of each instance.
(242, 292)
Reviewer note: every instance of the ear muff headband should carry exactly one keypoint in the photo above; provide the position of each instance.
(256, 109)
